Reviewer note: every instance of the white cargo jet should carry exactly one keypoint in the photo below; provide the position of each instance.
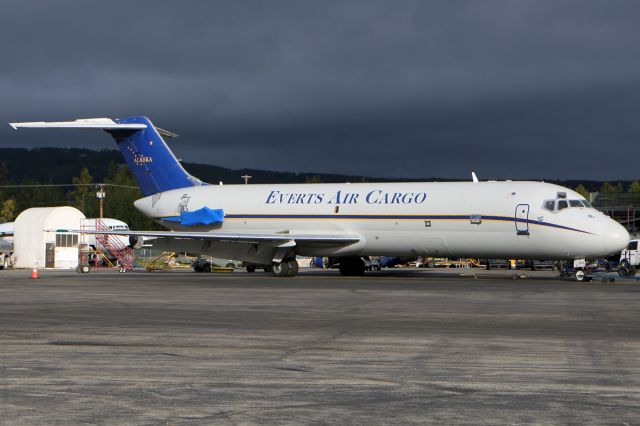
(271, 224)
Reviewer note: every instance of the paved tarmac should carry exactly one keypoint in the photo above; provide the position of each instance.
(394, 347)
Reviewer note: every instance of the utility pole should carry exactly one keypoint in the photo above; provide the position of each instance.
(101, 195)
(246, 178)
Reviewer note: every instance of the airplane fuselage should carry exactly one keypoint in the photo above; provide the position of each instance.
(505, 219)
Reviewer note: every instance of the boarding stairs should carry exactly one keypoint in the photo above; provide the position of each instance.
(115, 247)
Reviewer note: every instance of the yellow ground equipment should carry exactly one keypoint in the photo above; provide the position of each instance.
(161, 263)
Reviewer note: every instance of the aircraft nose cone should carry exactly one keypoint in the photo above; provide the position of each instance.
(614, 237)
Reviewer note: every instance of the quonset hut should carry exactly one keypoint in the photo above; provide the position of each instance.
(37, 244)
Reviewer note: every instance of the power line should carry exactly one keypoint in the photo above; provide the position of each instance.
(68, 184)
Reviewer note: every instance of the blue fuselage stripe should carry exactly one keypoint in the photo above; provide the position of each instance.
(398, 217)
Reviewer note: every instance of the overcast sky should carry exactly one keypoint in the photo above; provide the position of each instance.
(511, 89)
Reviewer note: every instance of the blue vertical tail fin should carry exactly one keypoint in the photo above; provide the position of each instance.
(152, 163)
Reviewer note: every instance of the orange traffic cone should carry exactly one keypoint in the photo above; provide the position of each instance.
(34, 273)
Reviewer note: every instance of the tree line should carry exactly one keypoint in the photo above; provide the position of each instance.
(608, 188)
(120, 187)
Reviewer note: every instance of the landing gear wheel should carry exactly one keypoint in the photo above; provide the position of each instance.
(632, 270)
(251, 268)
(580, 276)
(293, 268)
(206, 267)
(280, 269)
(625, 269)
(268, 268)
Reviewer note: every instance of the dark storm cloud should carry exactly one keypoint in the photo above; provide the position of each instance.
(511, 89)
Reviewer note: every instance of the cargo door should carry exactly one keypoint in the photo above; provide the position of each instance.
(522, 219)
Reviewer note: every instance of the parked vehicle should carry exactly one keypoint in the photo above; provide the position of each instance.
(251, 267)
(536, 265)
(372, 265)
(206, 264)
(6, 253)
(497, 264)
(629, 259)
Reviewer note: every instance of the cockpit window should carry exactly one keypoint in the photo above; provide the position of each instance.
(561, 204)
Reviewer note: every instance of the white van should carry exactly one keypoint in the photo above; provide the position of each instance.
(629, 259)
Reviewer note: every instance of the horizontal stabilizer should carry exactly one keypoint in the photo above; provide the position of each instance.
(85, 123)
(153, 164)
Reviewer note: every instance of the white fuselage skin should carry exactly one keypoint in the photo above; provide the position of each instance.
(454, 219)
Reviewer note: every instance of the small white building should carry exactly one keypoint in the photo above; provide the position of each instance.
(37, 243)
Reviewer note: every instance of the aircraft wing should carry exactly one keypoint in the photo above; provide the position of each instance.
(229, 237)
(255, 247)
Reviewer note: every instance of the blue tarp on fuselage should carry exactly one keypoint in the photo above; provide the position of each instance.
(203, 216)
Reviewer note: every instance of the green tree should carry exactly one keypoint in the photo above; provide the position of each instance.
(122, 190)
(313, 179)
(83, 197)
(4, 172)
(8, 210)
(607, 188)
(634, 187)
(32, 195)
(580, 189)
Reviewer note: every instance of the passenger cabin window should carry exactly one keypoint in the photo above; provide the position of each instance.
(549, 205)
(633, 245)
(563, 204)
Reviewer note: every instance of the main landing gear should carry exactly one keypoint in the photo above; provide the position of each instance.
(286, 268)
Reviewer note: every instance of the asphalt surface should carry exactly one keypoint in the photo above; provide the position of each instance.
(394, 347)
